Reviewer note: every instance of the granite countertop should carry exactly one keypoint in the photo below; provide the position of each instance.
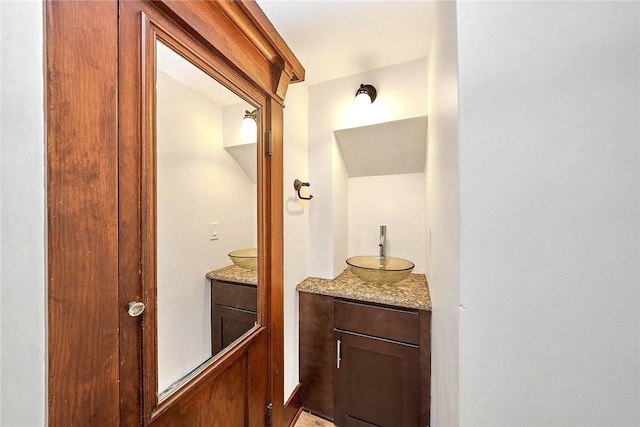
(233, 273)
(412, 292)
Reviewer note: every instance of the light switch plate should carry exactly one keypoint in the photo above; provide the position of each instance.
(213, 231)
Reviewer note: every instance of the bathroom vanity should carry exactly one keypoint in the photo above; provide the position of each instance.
(365, 356)
(234, 304)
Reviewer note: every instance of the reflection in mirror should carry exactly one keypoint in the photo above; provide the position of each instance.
(206, 208)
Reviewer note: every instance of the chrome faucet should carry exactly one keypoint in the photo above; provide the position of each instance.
(383, 234)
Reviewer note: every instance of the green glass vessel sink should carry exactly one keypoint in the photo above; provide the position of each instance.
(245, 258)
(383, 271)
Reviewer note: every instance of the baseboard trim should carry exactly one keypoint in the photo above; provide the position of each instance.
(293, 407)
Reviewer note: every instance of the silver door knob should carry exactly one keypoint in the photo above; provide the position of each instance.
(135, 308)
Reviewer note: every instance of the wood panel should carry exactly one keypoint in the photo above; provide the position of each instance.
(317, 353)
(235, 395)
(220, 402)
(195, 393)
(82, 188)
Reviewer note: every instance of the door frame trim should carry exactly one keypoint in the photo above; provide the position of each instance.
(82, 230)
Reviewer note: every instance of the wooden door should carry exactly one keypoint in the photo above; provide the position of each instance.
(224, 389)
(98, 212)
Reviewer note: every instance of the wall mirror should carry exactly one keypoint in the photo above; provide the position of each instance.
(206, 204)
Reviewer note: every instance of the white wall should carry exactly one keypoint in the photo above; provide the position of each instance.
(22, 216)
(396, 201)
(198, 183)
(296, 224)
(402, 93)
(340, 205)
(549, 250)
(321, 147)
(442, 214)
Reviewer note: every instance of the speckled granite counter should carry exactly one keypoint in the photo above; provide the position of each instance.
(412, 292)
(233, 273)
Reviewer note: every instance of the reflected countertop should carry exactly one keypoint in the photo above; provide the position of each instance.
(412, 292)
(233, 273)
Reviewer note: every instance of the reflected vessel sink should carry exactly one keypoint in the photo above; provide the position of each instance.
(382, 271)
(245, 258)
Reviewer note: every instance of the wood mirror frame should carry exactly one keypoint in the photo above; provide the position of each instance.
(94, 356)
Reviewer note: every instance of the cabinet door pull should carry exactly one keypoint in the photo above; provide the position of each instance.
(338, 359)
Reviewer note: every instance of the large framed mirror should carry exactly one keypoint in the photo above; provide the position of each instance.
(203, 212)
(206, 217)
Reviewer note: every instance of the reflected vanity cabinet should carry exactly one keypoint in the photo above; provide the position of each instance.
(234, 308)
(364, 364)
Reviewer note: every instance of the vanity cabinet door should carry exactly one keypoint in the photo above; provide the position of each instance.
(376, 381)
(229, 324)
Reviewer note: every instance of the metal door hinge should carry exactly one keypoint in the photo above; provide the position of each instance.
(269, 143)
(269, 413)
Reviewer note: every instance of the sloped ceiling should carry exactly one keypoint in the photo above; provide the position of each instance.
(389, 148)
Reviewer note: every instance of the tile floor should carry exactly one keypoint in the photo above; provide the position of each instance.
(308, 420)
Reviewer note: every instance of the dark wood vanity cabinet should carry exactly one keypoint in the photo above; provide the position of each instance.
(365, 364)
(234, 308)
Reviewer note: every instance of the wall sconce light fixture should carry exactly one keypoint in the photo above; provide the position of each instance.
(249, 129)
(366, 94)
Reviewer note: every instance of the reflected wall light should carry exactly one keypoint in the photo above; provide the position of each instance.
(249, 129)
(366, 94)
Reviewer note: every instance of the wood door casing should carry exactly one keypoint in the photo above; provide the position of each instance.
(87, 295)
(82, 212)
(275, 233)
